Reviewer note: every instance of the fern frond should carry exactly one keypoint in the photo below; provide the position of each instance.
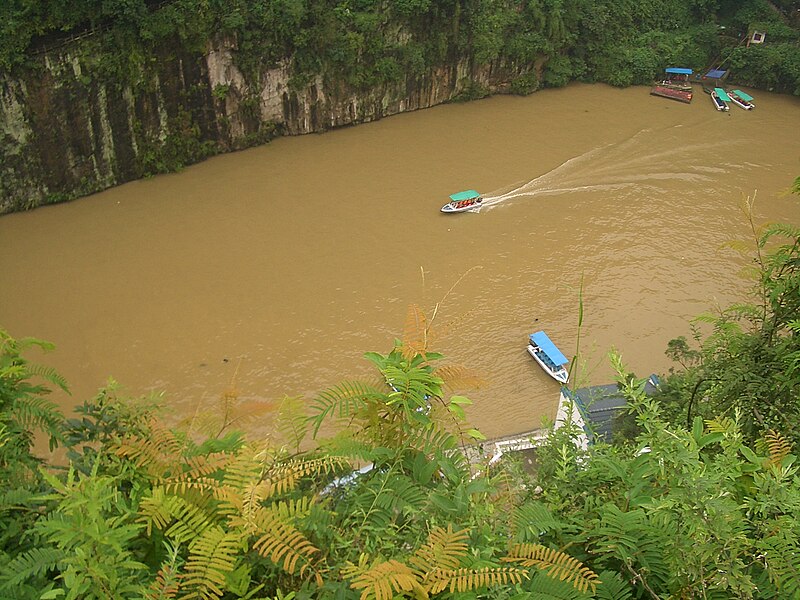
(459, 377)
(167, 582)
(463, 580)
(556, 564)
(415, 332)
(292, 420)
(382, 581)
(212, 555)
(341, 401)
(531, 520)
(782, 229)
(155, 454)
(431, 440)
(782, 561)
(16, 498)
(36, 561)
(36, 411)
(165, 586)
(630, 537)
(278, 539)
(385, 496)
(294, 509)
(49, 374)
(543, 587)
(779, 447)
(724, 425)
(743, 310)
(196, 472)
(286, 475)
(613, 587)
(397, 492)
(443, 550)
(343, 444)
(248, 466)
(179, 519)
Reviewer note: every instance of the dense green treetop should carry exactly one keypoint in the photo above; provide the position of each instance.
(366, 43)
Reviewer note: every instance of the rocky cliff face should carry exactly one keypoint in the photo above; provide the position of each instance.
(65, 133)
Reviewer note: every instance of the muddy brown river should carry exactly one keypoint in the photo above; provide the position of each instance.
(291, 260)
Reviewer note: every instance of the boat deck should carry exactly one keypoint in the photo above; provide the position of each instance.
(671, 93)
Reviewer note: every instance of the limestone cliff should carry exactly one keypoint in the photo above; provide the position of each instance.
(65, 132)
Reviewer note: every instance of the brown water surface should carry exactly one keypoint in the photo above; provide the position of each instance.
(293, 259)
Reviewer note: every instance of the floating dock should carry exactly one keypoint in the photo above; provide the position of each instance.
(671, 93)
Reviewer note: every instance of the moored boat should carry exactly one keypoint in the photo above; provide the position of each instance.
(463, 201)
(742, 99)
(548, 356)
(675, 85)
(720, 99)
(677, 78)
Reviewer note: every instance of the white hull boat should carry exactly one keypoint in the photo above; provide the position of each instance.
(462, 202)
(550, 358)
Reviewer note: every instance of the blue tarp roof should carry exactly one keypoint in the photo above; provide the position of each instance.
(679, 71)
(549, 348)
(715, 74)
(468, 195)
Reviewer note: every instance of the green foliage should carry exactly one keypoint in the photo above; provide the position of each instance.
(525, 84)
(181, 146)
(675, 513)
(24, 409)
(749, 364)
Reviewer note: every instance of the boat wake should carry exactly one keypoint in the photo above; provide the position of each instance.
(623, 166)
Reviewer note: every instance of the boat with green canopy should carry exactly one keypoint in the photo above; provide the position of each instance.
(742, 99)
(720, 99)
(463, 201)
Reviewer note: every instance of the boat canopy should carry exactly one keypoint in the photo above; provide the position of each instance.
(679, 71)
(715, 74)
(468, 195)
(549, 348)
(744, 96)
(722, 95)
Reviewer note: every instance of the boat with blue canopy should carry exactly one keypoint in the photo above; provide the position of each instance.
(720, 99)
(678, 78)
(548, 356)
(675, 85)
(742, 99)
(463, 201)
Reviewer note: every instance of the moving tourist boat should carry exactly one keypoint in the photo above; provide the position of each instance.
(548, 356)
(463, 201)
(720, 99)
(742, 99)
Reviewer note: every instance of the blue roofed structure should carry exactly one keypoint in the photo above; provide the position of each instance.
(553, 354)
(715, 74)
(599, 406)
(678, 71)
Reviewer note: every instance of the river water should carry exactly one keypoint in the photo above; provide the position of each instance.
(281, 265)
